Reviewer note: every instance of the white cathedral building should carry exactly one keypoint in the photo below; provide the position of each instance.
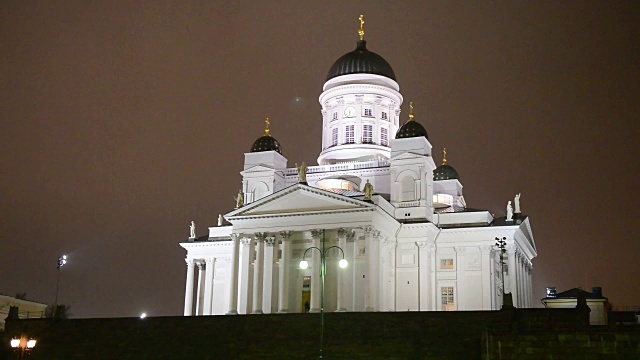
(410, 241)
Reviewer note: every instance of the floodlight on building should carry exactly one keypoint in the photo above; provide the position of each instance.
(15, 343)
(143, 315)
(31, 343)
(304, 264)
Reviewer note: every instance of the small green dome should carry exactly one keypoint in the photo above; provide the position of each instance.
(266, 143)
(445, 172)
(411, 128)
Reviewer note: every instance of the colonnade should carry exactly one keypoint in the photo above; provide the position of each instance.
(252, 281)
(519, 278)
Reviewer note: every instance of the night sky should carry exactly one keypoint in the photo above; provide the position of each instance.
(122, 122)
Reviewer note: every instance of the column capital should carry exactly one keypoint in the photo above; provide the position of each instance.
(189, 262)
(460, 249)
(285, 235)
(200, 265)
(425, 245)
(351, 234)
(486, 249)
(376, 234)
(261, 236)
(234, 236)
(367, 230)
(342, 232)
(270, 240)
(316, 233)
(246, 241)
(389, 242)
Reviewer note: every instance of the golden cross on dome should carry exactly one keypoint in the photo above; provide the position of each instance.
(361, 30)
(266, 130)
(444, 156)
(411, 111)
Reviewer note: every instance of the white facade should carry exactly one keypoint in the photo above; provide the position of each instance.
(413, 247)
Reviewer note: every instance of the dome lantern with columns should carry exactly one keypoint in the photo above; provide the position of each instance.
(360, 107)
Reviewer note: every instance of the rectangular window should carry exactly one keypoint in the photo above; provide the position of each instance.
(447, 298)
(446, 264)
(384, 116)
(335, 116)
(334, 136)
(384, 136)
(367, 134)
(349, 134)
(368, 112)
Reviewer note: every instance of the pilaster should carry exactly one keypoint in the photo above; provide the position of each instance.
(210, 264)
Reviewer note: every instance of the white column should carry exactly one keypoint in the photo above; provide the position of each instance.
(342, 243)
(233, 275)
(267, 284)
(531, 283)
(188, 294)
(529, 293)
(434, 291)
(368, 258)
(424, 275)
(487, 284)
(200, 292)
(257, 274)
(208, 285)
(246, 275)
(316, 281)
(460, 292)
(375, 263)
(283, 274)
(389, 274)
(510, 279)
(522, 294)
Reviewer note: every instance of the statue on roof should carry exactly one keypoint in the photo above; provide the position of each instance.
(516, 201)
(302, 173)
(239, 199)
(361, 30)
(368, 191)
(219, 219)
(509, 211)
(192, 230)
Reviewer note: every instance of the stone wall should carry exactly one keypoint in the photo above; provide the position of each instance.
(402, 335)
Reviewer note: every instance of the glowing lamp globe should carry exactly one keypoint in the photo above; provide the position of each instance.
(304, 264)
(343, 263)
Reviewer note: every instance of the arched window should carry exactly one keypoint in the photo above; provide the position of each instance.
(408, 189)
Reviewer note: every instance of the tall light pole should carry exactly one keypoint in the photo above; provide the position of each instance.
(502, 245)
(323, 269)
(62, 260)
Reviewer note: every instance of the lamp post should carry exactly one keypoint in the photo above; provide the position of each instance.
(323, 268)
(502, 245)
(62, 260)
(22, 344)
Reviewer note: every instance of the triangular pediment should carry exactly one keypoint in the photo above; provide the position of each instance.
(300, 199)
(256, 169)
(407, 155)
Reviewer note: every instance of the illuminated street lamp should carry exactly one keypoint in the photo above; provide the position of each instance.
(62, 260)
(502, 245)
(22, 345)
(323, 269)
